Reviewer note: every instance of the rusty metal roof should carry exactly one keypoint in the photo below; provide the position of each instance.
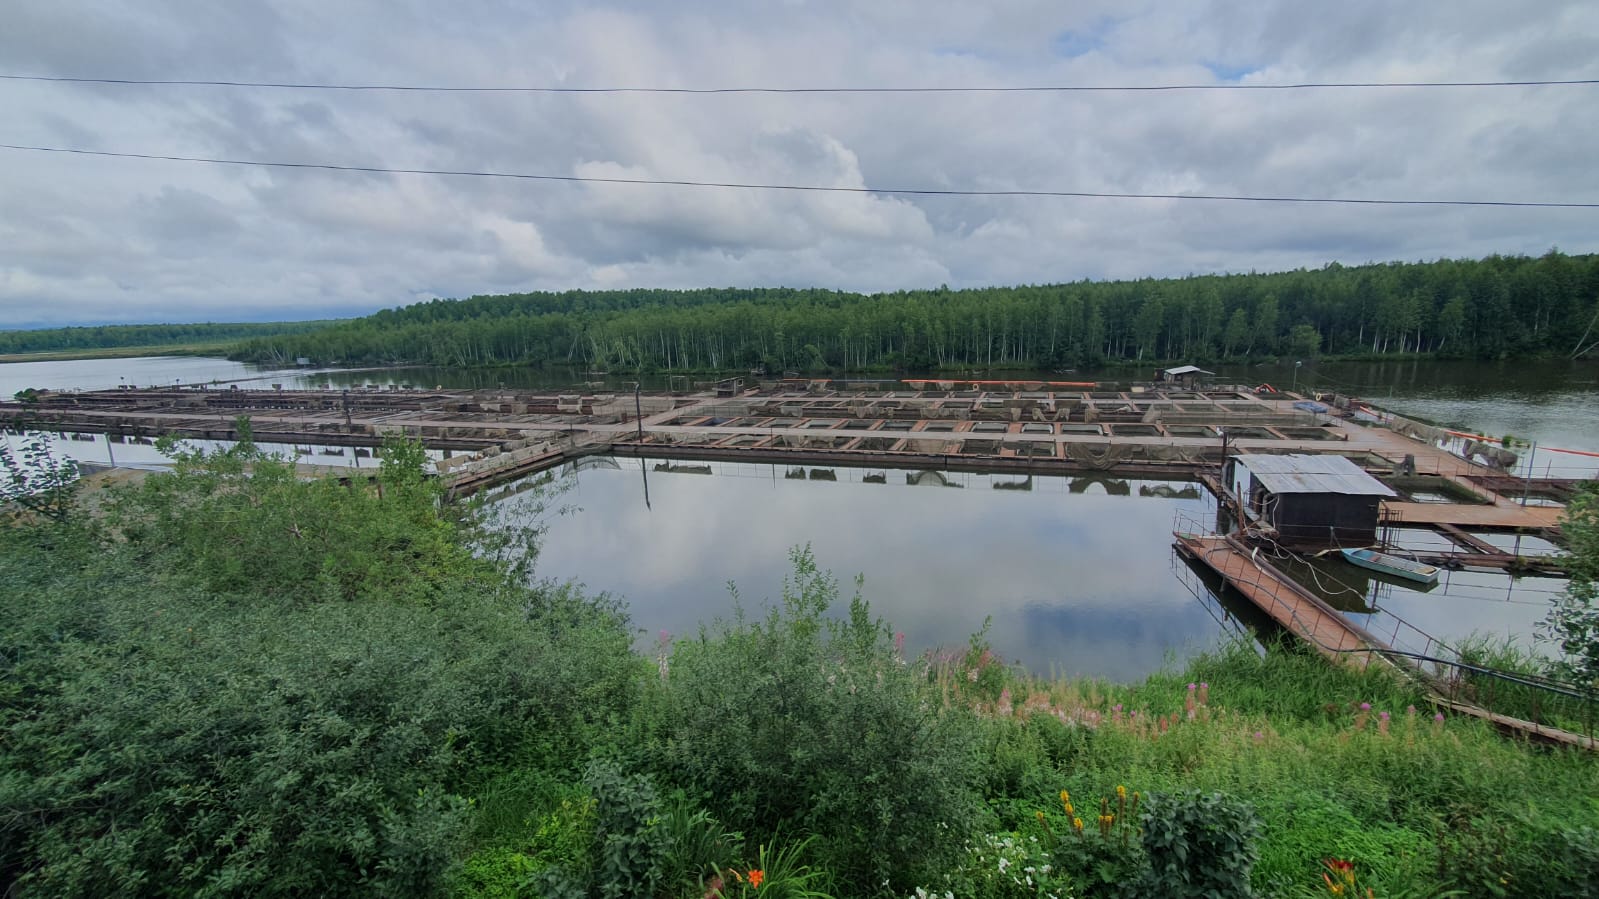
(1312, 474)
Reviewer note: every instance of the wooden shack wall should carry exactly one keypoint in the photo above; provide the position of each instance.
(1324, 519)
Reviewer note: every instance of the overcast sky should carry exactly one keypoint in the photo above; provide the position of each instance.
(91, 240)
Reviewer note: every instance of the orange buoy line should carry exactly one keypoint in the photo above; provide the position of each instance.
(1486, 439)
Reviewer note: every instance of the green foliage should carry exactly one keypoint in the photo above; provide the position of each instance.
(241, 522)
(1573, 622)
(528, 820)
(641, 844)
(1304, 341)
(1200, 845)
(783, 875)
(630, 843)
(697, 845)
(1002, 866)
(1104, 858)
(1306, 829)
(159, 736)
(805, 723)
(103, 336)
(1509, 855)
(35, 481)
(1488, 308)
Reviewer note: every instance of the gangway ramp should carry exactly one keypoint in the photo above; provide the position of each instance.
(1332, 634)
(1280, 596)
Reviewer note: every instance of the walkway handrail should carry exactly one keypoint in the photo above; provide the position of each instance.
(1409, 662)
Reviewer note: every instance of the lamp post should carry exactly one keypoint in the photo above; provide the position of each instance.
(1296, 374)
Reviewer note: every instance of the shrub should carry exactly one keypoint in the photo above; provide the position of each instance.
(36, 482)
(1573, 620)
(1199, 845)
(157, 738)
(241, 523)
(1002, 866)
(527, 822)
(803, 723)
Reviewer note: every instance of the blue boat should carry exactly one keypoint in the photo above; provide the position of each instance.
(1395, 566)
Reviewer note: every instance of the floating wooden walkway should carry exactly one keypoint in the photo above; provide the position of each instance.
(1329, 632)
(1298, 610)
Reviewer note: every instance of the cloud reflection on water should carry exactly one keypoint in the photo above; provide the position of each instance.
(1076, 583)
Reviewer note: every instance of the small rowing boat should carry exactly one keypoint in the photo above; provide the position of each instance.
(1396, 566)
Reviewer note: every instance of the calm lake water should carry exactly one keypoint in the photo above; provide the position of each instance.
(1075, 576)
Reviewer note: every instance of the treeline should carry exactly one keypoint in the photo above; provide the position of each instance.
(112, 336)
(1499, 307)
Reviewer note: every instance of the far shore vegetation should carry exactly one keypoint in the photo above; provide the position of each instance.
(1495, 308)
(226, 680)
(123, 341)
(1500, 307)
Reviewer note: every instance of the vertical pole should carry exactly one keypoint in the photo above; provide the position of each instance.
(1527, 480)
(638, 411)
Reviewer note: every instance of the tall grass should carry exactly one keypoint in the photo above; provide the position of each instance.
(1339, 763)
(1519, 682)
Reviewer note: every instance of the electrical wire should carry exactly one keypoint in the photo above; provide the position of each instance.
(991, 89)
(815, 188)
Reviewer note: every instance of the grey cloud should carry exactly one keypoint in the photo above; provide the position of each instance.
(87, 239)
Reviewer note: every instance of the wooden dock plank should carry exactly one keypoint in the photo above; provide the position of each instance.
(1280, 597)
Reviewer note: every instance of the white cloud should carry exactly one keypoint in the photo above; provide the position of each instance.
(86, 239)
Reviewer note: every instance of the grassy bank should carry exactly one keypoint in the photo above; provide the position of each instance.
(230, 681)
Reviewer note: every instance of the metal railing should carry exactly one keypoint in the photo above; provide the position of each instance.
(1443, 670)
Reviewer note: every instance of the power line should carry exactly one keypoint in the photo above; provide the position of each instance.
(817, 188)
(1017, 89)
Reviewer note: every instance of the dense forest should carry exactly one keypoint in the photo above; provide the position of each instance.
(1499, 307)
(112, 336)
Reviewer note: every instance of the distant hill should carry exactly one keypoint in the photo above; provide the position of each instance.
(169, 337)
(1498, 307)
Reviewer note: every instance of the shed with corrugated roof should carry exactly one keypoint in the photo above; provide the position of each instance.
(1309, 500)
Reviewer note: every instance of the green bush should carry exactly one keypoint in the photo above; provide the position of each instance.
(1002, 866)
(527, 821)
(1199, 845)
(802, 723)
(157, 738)
(630, 844)
(240, 522)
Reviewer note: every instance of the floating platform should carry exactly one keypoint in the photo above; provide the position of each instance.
(1299, 611)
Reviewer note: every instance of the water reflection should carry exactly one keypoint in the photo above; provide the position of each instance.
(1461, 604)
(1067, 578)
